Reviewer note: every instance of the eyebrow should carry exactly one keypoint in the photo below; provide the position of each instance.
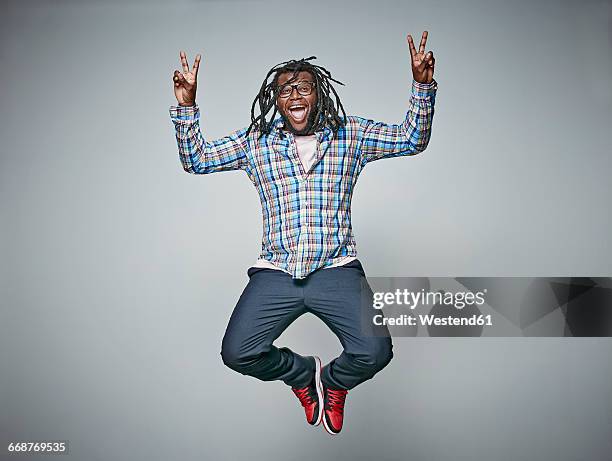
(299, 81)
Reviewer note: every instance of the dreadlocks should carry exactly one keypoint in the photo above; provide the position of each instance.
(327, 110)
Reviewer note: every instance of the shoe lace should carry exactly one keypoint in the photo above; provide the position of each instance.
(335, 399)
(305, 395)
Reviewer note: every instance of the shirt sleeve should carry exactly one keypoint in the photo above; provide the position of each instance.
(382, 140)
(199, 156)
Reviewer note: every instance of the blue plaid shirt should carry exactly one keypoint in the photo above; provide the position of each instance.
(306, 214)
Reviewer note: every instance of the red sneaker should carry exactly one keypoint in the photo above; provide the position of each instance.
(333, 409)
(311, 396)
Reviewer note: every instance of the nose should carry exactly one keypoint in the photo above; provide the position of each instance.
(294, 91)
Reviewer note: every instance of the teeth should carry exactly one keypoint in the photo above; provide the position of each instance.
(298, 112)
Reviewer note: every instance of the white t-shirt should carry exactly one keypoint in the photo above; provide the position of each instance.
(307, 150)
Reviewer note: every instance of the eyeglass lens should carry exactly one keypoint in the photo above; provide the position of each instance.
(303, 88)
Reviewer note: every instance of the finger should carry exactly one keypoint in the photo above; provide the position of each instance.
(196, 64)
(423, 42)
(431, 62)
(424, 62)
(184, 61)
(179, 79)
(411, 46)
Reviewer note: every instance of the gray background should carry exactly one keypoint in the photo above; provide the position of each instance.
(120, 271)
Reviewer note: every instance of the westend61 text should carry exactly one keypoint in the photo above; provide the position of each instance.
(432, 320)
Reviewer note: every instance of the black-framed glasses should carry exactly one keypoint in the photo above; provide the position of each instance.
(303, 88)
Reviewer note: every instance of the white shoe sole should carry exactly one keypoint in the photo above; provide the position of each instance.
(327, 429)
(319, 386)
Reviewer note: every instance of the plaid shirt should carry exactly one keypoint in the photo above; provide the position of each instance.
(306, 214)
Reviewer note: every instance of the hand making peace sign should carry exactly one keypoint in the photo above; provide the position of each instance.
(422, 64)
(185, 83)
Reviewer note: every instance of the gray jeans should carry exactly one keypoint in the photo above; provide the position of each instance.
(272, 300)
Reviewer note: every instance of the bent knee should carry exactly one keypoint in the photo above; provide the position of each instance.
(232, 356)
(237, 358)
(383, 355)
(376, 358)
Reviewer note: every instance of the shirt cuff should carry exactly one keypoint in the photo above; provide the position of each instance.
(185, 112)
(423, 90)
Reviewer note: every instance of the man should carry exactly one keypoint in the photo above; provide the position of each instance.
(304, 165)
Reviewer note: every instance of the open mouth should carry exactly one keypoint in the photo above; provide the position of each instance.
(297, 112)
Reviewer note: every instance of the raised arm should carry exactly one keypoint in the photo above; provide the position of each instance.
(382, 140)
(197, 155)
